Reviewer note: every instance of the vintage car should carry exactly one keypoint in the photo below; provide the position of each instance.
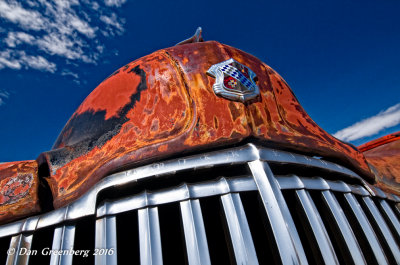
(200, 154)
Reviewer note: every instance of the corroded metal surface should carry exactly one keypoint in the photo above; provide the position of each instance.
(18, 190)
(163, 104)
(380, 141)
(385, 163)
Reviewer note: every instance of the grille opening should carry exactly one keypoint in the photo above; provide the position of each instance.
(375, 226)
(303, 227)
(84, 240)
(172, 236)
(42, 239)
(396, 236)
(253, 208)
(338, 242)
(167, 181)
(128, 238)
(214, 223)
(4, 245)
(396, 209)
(357, 230)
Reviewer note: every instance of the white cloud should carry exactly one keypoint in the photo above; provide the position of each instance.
(66, 72)
(113, 25)
(67, 29)
(372, 125)
(15, 13)
(19, 59)
(3, 95)
(116, 3)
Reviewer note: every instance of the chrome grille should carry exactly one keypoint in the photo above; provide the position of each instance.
(260, 217)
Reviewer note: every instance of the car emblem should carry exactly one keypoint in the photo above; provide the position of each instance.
(234, 81)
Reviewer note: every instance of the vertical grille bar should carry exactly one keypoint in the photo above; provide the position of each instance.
(239, 231)
(63, 239)
(318, 229)
(382, 226)
(195, 234)
(286, 237)
(391, 216)
(366, 228)
(106, 239)
(21, 244)
(344, 228)
(149, 237)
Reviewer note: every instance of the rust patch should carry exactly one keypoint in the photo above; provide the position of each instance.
(18, 190)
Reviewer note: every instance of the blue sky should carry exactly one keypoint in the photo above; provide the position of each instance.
(341, 58)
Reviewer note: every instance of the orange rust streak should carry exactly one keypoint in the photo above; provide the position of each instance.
(380, 141)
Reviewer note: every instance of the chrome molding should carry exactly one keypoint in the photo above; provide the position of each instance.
(86, 205)
(195, 233)
(382, 226)
(270, 194)
(239, 230)
(377, 209)
(106, 239)
(64, 237)
(367, 230)
(18, 243)
(318, 229)
(344, 228)
(149, 237)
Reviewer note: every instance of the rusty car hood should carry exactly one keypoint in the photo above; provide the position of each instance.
(164, 104)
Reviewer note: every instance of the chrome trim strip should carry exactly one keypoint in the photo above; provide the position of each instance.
(195, 233)
(356, 189)
(344, 227)
(316, 183)
(181, 193)
(272, 155)
(367, 229)
(239, 230)
(149, 237)
(18, 243)
(290, 182)
(393, 220)
(382, 226)
(338, 185)
(290, 252)
(106, 239)
(317, 226)
(63, 239)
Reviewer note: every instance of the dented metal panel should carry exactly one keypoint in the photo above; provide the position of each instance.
(18, 190)
(164, 104)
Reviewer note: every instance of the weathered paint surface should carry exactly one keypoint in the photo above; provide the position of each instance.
(163, 104)
(18, 190)
(380, 141)
(384, 159)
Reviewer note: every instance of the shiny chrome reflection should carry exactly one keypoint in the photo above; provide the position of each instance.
(149, 237)
(106, 239)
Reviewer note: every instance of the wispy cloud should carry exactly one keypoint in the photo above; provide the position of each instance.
(67, 29)
(372, 125)
(3, 95)
(47, 35)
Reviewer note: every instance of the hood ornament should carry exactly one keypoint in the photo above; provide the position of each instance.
(234, 81)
